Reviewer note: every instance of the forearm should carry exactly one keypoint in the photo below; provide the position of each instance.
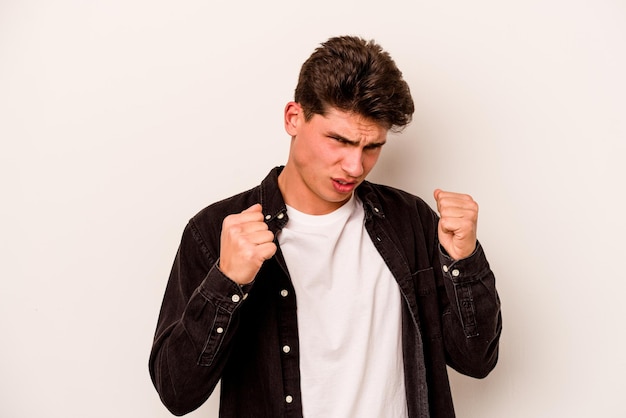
(181, 382)
(196, 326)
(473, 323)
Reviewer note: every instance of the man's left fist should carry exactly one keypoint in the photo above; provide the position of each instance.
(457, 224)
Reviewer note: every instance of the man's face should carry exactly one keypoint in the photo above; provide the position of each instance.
(329, 157)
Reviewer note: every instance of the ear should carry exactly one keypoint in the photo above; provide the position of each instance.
(293, 117)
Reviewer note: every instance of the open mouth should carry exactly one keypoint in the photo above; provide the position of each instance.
(343, 186)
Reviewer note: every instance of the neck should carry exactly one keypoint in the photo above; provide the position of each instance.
(297, 195)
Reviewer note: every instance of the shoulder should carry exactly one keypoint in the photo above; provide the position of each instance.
(203, 230)
(266, 192)
(209, 220)
(217, 211)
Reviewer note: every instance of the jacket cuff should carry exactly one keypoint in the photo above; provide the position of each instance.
(222, 291)
(466, 270)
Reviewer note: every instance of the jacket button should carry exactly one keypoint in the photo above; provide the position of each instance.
(284, 293)
(286, 349)
(235, 298)
(289, 399)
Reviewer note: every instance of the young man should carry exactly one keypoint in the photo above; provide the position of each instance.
(317, 293)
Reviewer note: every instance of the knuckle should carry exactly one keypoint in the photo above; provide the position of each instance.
(230, 221)
(234, 230)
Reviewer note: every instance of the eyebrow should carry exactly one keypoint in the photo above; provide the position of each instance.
(355, 143)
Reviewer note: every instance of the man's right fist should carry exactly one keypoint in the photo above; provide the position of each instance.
(246, 242)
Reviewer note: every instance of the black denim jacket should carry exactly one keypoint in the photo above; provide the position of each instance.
(210, 328)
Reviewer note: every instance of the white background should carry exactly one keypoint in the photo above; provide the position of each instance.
(119, 120)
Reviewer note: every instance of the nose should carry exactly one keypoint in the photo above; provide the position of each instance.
(352, 162)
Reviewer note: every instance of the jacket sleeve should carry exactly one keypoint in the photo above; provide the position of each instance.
(472, 324)
(196, 325)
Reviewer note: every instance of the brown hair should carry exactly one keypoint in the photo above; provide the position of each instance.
(354, 75)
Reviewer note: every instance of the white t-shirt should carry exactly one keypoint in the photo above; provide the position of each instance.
(349, 316)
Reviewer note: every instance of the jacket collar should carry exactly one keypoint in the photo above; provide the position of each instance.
(271, 199)
(371, 202)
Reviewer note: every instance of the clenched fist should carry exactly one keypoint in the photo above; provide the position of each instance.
(246, 242)
(457, 224)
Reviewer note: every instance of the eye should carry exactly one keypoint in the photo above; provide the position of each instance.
(373, 147)
(340, 140)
